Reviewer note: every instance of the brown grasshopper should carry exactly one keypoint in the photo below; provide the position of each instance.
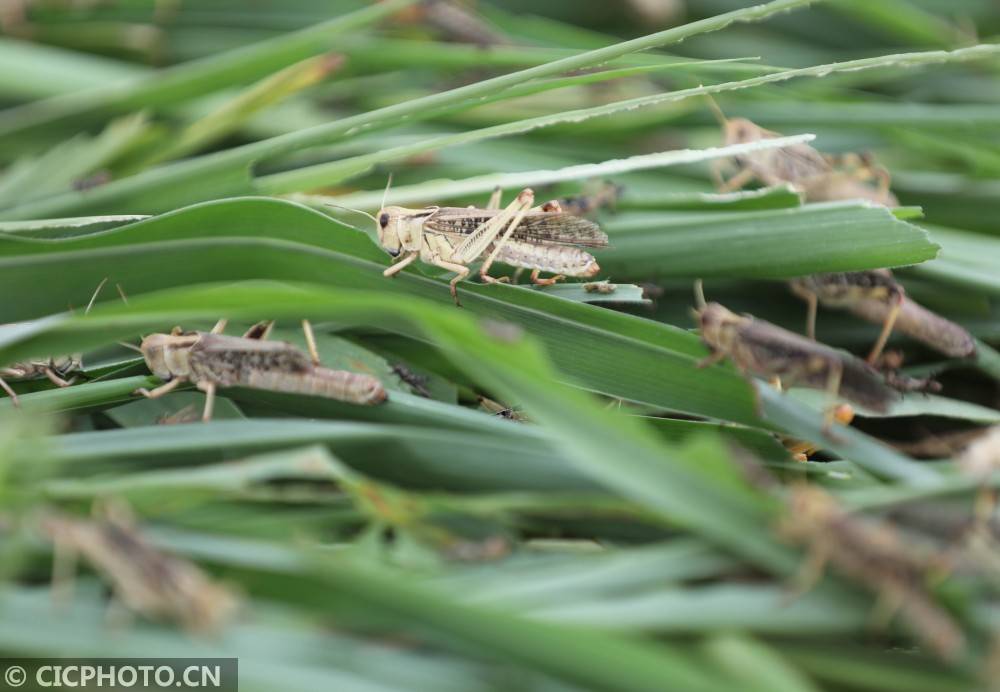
(519, 235)
(765, 349)
(876, 557)
(144, 579)
(817, 176)
(877, 297)
(211, 360)
(60, 370)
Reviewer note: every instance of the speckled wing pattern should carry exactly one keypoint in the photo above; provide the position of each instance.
(229, 360)
(539, 227)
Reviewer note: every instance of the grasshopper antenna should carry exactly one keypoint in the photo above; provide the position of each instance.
(716, 111)
(96, 293)
(132, 347)
(356, 211)
(385, 195)
(699, 294)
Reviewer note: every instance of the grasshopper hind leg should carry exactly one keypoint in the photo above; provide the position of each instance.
(535, 279)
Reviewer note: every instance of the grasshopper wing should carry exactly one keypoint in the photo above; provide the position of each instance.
(557, 228)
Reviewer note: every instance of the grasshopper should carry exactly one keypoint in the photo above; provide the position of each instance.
(602, 196)
(211, 360)
(873, 555)
(60, 370)
(817, 176)
(765, 349)
(144, 579)
(877, 297)
(519, 235)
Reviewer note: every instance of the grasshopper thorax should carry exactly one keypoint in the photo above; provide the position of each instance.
(167, 355)
(401, 229)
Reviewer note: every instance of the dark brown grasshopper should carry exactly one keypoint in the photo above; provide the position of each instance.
(211, 360)
(817, 176)
(761, 348)
(876, 296)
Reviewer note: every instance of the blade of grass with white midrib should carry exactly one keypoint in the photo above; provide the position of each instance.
(240, 158)
(337, 171)
(514, 181)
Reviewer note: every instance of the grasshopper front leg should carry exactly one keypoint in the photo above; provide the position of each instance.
(10, 392)
(711, 359)
(738, 181)
(401, 265)
(161, 390)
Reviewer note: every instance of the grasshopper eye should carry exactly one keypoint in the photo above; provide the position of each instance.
(383, 220)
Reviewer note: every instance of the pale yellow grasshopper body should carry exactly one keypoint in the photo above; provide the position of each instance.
(211, 360)
(454, 237)
(876, 296)
(818, 177)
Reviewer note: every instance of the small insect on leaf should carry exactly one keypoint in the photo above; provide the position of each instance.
(764, 349)
(816, 176)
(519, 235)
(210, 360)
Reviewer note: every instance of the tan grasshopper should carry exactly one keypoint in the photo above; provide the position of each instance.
(877, 297)
(211, 360)
(144, 579)
(817, 176)
(765, 349)
(519, 235)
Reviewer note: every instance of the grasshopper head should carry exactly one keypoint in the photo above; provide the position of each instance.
(741, 130)
(716, 324)
(399, 229)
